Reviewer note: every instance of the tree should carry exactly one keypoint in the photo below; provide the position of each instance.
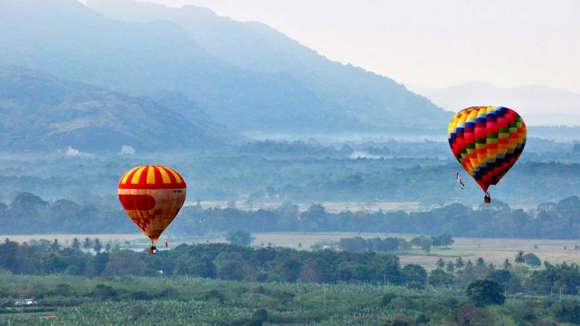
(356, 244)
(239, 238)
(289, 269)
(426, 244)
(55, 246)
(459, 263)
(414, 275)
(97, 264)
(507, 264)
(231, 270)
(125, 263)
(76, 244)
(483, 293)
(520, 257)
(194, 266)
(440, 263)
(502, 277)
(438, 277)
(97, 246)
(450, 267)
(532, 260)
(444, 240)
(87, 244)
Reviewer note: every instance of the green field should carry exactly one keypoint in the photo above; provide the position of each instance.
(66, 300)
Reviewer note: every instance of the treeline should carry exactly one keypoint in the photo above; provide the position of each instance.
(559, 220)
(220, 261)
(390, 244)
(28, 213)
(227, 262)
(255, 174)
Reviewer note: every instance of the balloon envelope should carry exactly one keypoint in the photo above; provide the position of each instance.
(487, 141)
(152, 196)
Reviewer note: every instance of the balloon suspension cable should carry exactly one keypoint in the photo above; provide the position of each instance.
(487, 198)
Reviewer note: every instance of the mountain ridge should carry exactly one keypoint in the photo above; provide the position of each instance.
(267, 50)
(63, 113)
(303, 92)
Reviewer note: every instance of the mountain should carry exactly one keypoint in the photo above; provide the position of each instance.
(244, 75)
(41, 112)
(539, 105)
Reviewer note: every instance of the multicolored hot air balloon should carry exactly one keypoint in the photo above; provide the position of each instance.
(152, 196)
(487, 141)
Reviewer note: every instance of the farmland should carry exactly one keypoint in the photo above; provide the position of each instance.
(66, 300)
(45, 283)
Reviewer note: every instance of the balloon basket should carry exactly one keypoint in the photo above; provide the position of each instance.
(152, 250)
(487, 199)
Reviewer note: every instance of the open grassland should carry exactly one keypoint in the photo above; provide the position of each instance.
(498, 250)
(492, 250)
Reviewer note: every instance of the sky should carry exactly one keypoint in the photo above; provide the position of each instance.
(431, 44)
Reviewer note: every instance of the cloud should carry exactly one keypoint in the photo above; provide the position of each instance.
(127, 150)
(73, 152)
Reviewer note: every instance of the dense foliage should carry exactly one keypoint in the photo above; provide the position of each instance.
(390, 244)
(485, 292)
(28, 213)
(227, 262)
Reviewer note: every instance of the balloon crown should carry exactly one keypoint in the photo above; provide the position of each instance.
(152, 177)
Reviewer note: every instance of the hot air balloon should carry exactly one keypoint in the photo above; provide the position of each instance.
(152, 196)
(487, 141)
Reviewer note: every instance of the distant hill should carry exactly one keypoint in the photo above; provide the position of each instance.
(539, 105)
(244, 75)
(41, 112)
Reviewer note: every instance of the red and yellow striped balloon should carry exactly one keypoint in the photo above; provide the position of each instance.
(152, 196)
(487, 141)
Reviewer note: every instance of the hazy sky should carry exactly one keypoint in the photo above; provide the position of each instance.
(428, 43)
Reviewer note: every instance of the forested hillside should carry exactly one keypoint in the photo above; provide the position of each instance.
(43, 113)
